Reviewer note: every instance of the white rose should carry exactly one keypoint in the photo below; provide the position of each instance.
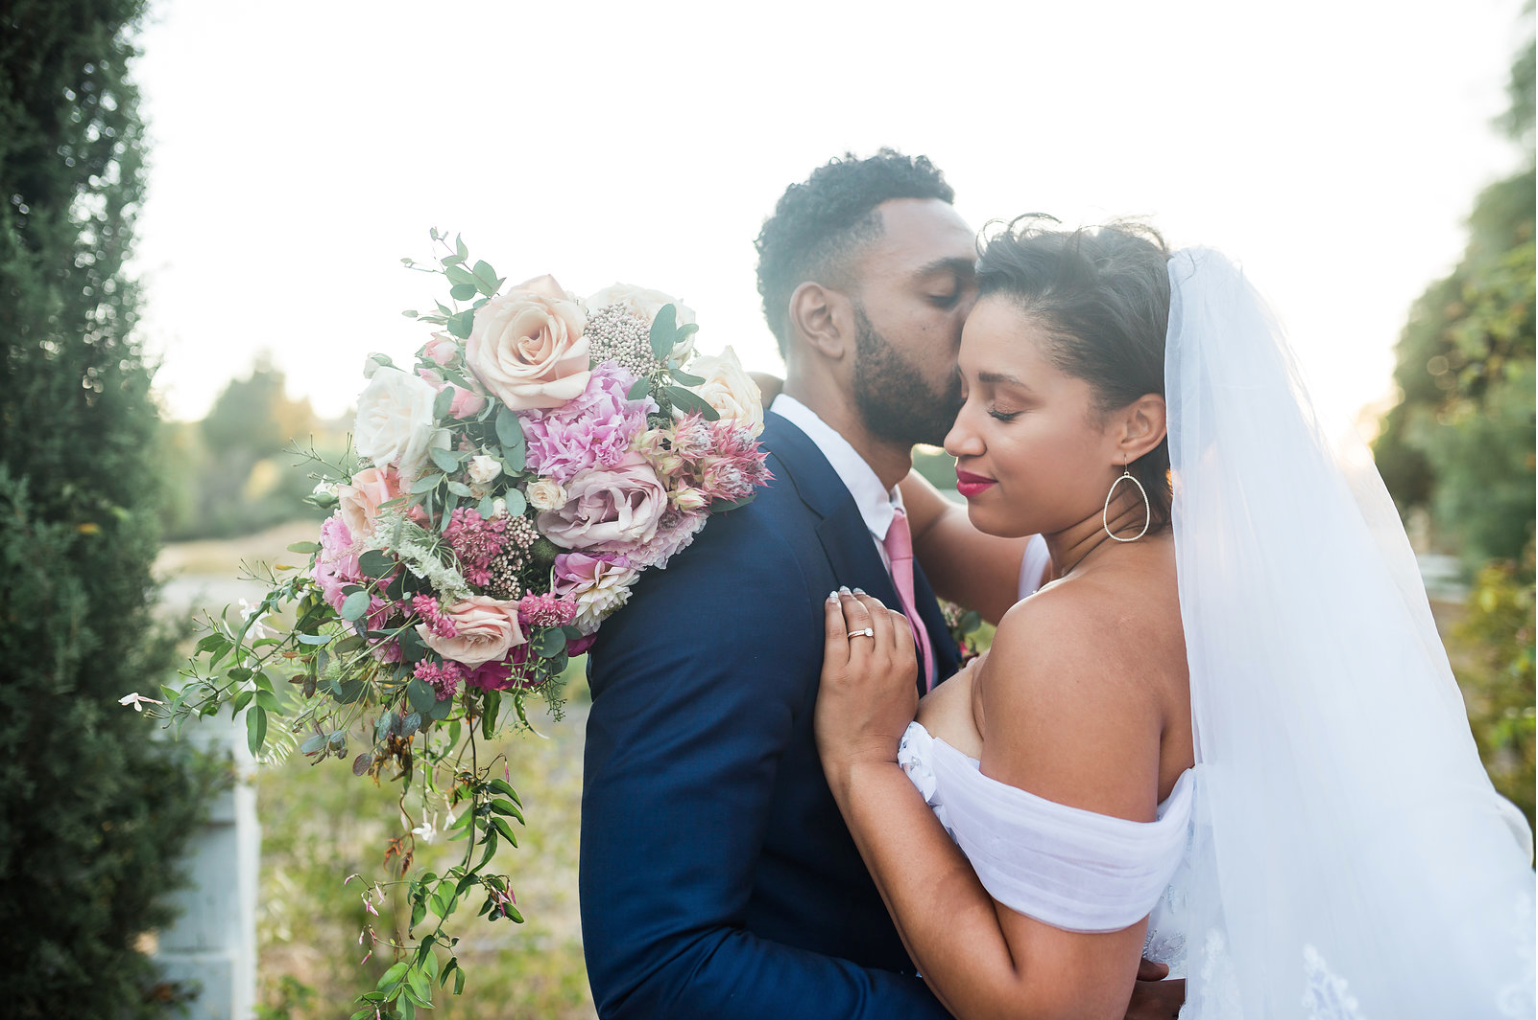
(730, 390)
(395, 421)
(644, 303)
(483, 470)
(546, 494)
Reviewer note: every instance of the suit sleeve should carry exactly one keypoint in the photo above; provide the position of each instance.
(697, 684)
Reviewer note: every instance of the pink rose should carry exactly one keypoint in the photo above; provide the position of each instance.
(608, 509)
(466, 402)
(527, 347)
(486, 629)
(361, 500)
(441, 349)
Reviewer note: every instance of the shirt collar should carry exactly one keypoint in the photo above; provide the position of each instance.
(875, 503)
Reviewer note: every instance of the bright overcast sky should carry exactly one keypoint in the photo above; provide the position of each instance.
(299, 149)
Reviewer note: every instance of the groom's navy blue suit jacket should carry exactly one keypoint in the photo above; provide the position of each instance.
(717, 878)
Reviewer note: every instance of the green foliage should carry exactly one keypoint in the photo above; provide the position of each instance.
(1460, 441)
(1492, 650)
(235, 472)
(92, 812)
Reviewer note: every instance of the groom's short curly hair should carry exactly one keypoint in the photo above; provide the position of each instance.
(817, 225)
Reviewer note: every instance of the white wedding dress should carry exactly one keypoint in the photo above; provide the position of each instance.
(1338, 851)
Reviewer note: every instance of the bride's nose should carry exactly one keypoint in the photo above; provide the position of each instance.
(962, 440)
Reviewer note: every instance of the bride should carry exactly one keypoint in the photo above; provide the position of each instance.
(1225, 736)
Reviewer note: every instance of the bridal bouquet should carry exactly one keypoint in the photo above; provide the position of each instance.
(511, 485)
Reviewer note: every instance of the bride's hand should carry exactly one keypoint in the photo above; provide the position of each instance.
(869, 689)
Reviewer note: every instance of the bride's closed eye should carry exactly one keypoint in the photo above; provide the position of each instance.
(994, 412)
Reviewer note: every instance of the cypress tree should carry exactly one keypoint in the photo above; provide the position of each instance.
(92, 811)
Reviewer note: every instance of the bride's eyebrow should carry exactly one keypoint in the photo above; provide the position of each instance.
(1000, 377)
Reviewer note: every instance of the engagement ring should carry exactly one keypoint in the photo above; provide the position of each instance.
(869, 632)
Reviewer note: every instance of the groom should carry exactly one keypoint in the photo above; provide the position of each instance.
(717, 878)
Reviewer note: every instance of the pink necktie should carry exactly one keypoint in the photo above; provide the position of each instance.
(899, 549)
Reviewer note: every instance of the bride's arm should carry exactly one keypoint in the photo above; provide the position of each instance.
(982, 959)
(979, 571)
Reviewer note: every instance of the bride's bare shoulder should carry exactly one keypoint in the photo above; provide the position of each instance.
(1069, 711)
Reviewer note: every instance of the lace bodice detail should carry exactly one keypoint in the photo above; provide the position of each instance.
(1071, 868)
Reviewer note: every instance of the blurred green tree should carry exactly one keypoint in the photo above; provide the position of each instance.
(1460, 440)
(234, 472)
(92, 812)
(1460, 443)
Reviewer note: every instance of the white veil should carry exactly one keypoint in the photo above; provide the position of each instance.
(1353, 861)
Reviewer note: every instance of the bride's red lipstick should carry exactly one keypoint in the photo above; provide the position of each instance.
(970, 485)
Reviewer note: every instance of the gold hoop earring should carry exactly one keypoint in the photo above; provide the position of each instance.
(1105, 515)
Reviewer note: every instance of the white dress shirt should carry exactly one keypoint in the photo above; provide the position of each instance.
(876, 503)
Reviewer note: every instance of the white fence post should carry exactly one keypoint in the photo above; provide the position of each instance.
(213, 942)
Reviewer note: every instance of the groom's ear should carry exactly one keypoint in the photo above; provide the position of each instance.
(1143, 426)
(824, 320)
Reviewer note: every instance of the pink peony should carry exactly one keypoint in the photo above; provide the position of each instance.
(337, 565)
(611, 509)
(486, 629)
(360, 501)
(594, 430)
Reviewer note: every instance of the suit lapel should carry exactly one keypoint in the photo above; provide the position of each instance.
(846, 541)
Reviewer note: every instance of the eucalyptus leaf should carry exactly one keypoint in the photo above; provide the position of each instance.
(443, 401)
(679, 375)
(509, 431)
(516, 502)
(426, 483)
(485, 278)
(376, 563)
(421, 695)
(459, 246)
(460, 323)
(350, 691)
(361, 764)
(304, 547)
(691, 403)
(447, 460)
(355, 605)
(462, 291)
(639, 389)
(664, 331)
(487, 505)
(549, 643)
(411, 724)
(459, 488)
(460, 275)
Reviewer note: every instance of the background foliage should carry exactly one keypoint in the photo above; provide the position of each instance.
(1459, 444)
(91, 814)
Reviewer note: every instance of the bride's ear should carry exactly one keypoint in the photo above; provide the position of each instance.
(1142, 425)
(821, 316)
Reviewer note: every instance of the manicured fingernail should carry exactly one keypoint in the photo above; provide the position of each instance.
(832, 596)
(843, 590)
(859, 591)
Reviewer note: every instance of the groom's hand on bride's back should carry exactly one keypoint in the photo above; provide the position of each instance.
(1154, 998)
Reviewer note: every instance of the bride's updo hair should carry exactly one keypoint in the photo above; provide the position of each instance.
(1103, 296)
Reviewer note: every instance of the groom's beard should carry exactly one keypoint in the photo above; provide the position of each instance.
(894, 401)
